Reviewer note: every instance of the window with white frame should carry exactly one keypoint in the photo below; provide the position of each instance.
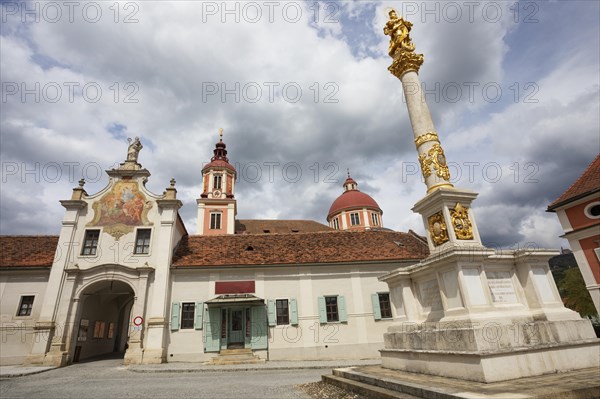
(336, 224)
(90, 242)
(217, 182)
(215, 220)
(187, 315)
(142, 241)
(375, 219)
(331, 308)
(355, 219)
(26, 305)
(282, 311)
(384, 305)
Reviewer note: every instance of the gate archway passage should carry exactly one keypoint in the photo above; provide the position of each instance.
(102, 325)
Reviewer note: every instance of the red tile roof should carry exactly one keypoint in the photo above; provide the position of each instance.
(258, 226)
(588, 183)
(299, 248)
(27, 251)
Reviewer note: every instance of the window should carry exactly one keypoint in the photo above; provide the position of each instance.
(592, 210)
(187, 315)
(142, 241)
(331, 308)
(25, 306)
(375, 219)
(99, 329)
(90, 243)
(215, 221)
(354, 219)
(384, 306)
(336, 224)
(283, 311)
(217, 182)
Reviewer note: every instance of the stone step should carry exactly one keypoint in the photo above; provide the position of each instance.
(235, 356)
(392, 385)
(576, 384)
(242, 351)
(368, 390)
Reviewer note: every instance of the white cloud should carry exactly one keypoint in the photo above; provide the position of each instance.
(178, 50)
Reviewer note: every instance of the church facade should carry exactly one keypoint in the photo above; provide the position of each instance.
(124, 275)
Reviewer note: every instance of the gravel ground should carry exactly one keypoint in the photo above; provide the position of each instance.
(321, 390)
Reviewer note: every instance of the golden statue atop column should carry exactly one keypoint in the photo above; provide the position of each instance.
(402, 49)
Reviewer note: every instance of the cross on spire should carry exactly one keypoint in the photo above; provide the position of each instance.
(221, 134)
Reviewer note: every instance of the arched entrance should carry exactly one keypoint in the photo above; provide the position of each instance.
(102, 323)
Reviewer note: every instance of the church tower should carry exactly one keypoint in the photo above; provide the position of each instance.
(217, 205)
(354, 210)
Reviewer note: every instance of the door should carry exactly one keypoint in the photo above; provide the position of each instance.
(236, 323)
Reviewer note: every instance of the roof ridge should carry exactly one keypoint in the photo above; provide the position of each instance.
(592, 166)
(304, 233)
(29, 235)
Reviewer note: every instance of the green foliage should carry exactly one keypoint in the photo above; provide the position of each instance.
(573, 292)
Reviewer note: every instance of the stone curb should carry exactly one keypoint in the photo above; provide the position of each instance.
(201, 369)
(22, 373)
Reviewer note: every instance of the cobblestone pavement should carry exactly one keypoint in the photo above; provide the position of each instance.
(109, 379)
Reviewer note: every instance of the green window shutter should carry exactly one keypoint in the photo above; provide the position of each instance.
(175, 316)
(271, 312)
(293, 312)
(342, 308)
(199, 315)
(322, 311)
(376, 308)
(212, 330)
(259, 327)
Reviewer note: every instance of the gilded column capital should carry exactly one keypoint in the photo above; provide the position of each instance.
(404, 62)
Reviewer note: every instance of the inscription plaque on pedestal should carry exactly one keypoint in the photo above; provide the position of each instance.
(431, 300)
(501, 287)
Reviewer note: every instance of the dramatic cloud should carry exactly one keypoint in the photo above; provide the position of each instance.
(303, 93)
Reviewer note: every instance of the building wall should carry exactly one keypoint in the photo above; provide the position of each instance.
(361, 336)
(17, 331)
(582, 231)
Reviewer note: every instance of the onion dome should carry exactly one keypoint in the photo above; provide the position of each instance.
(219, 159)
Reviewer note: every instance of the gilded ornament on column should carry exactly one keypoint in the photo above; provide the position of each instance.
(401, 47)
(437, 228)
(461, 223)
(434, 156)
(429, 136)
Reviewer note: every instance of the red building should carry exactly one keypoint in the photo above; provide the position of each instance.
(578, 211)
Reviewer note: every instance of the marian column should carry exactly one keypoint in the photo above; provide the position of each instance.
(445, 210)
(467, 311)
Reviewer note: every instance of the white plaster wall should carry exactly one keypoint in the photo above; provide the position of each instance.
(17, 331)
(360, 337)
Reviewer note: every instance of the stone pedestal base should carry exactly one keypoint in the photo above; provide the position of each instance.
(154, 356)
(56, 359)
(494, 352)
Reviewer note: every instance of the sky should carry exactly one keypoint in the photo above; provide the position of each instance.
(302, 91)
